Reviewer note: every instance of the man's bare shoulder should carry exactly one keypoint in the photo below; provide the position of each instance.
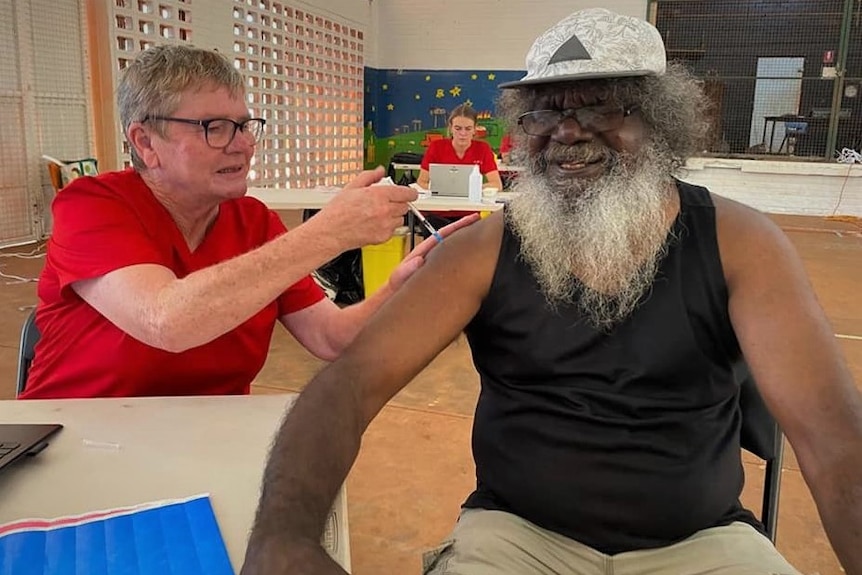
(737, 222)
(750, 242)
(730, 212)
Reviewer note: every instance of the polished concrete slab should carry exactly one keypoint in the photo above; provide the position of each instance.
(415, 467)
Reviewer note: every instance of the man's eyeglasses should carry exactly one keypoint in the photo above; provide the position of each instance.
(220, 132)
(603, 118)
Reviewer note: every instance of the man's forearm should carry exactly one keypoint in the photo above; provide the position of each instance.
(310, 458)
(840, 507)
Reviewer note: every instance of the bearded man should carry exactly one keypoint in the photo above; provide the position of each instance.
(605, 310)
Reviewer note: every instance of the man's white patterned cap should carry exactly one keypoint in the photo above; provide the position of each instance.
(594, 43)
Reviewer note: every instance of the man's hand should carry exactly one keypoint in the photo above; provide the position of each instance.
(416, 258)
(362, 213)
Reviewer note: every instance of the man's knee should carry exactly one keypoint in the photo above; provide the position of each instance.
(494, 543)
(482, 542)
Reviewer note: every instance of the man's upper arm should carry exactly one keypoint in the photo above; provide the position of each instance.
(424, 316)
(784, 334)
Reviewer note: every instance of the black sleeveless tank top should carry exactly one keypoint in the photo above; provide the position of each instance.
(624, 440)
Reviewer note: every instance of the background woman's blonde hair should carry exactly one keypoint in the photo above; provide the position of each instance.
(463, 111)
(154, 82)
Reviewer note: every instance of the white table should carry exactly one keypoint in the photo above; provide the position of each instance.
(302, 199)
(121, 452)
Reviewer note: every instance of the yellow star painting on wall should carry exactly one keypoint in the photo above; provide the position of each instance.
(404, 98)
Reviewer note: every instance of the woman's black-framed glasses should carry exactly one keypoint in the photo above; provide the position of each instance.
(220, 132)
(603, 118)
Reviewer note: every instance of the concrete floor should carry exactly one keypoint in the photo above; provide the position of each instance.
(415, 466)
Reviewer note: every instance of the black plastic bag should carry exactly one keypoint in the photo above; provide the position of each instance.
(341, 278)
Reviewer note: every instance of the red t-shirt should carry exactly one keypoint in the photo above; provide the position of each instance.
(112, 221)
(442, 152)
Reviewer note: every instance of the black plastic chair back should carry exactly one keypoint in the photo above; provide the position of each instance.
(27, 349)
(761, 436)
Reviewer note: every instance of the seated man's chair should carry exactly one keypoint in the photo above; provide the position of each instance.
(26, 350)
(761, 436)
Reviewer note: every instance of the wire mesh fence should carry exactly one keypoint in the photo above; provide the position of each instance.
(785, 76)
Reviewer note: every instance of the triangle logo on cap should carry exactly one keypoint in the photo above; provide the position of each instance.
(572, 49)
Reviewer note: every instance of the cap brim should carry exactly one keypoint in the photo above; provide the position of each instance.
(576, 77)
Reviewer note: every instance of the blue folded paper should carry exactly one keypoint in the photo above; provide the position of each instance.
(166, 537)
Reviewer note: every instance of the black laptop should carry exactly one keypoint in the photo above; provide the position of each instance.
(20, 439)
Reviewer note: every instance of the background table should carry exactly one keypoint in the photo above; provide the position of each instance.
(314, 199)
(121, 452)
(500, 167)
(305, 199)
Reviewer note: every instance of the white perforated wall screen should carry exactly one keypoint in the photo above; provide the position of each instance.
(134, 26)
(304, 74)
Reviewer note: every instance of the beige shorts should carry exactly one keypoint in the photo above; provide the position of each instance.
(497, 543)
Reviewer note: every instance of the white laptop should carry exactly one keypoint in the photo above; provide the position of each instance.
(450, 179)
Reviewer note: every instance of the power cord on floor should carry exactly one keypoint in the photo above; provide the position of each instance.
(35, 253)
(17, 279)
(852, 158)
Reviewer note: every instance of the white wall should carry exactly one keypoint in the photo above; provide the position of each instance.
(470, 34)
(803, 188)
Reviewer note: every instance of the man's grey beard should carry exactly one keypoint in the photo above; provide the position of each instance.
(596, 246)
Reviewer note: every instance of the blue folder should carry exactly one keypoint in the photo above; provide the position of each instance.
(177, 537)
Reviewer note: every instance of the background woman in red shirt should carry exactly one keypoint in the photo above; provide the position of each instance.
(461, 148)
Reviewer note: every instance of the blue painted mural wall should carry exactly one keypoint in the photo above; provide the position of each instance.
(401, 101)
